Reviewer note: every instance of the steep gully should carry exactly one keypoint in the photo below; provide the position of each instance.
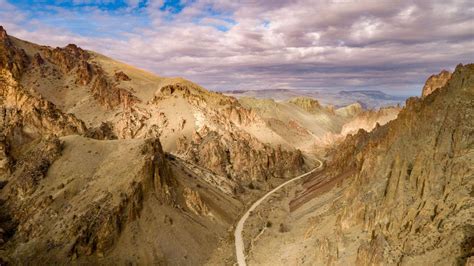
(239, 241)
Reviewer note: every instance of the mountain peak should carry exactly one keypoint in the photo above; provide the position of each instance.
(73, 47)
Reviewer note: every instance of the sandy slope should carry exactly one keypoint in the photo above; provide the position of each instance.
(98, 174)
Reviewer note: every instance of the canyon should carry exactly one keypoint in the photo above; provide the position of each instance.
(105, 163)
(401, 194)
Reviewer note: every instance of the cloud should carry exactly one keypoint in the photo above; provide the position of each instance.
(220, 44)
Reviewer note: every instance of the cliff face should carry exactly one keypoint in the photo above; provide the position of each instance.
(12, 58)
(435, 82)
(308, 104)
(74, 61)
(240, 156)
(410, 191)
(25, 116)
(368, 120)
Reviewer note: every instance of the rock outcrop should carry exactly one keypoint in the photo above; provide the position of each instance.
(26, 116)
(368, 120)
(71, 61)
(239, 156)
(350, 110)
(221, 107)
(306, 103)
(194, 202)
(12, 58)
(218, 142)
(121, 76)
(32, 167)
(435, 82)
(104, 90)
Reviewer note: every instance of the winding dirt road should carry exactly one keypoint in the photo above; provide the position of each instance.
(239, 241)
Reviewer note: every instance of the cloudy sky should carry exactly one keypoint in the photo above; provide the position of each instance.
(388, 45)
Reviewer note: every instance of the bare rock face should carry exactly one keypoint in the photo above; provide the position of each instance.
(70, 227)
(103, 89)
(219, 143)
(84, 73)
(110, 95)
(121, 76)
(350, 110)
(435, 82)
(5, 160)
(3, 33)
(370, 119)
(227, 109)
(24, 181)
(67, 58)
(38, 61)
(12, 58)
(72, 60)
(134, 123)
(365, 120)
(309, 104)
(240, 156)
(194, 202)
(410, 181)
(26, 117)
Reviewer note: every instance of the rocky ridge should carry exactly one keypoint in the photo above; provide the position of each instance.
(435, 82)
(408, 199)
(309, 104)
(246, 158)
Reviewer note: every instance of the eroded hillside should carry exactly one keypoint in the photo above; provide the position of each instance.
(101, 162)
(401, 194)
(304, 123)
(111, 100)
(72, 188)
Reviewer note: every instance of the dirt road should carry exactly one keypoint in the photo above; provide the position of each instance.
(239, 241)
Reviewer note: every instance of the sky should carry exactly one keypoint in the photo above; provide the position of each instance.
(388, 45)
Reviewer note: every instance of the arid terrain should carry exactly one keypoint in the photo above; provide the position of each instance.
(105, 163)
(401, 194)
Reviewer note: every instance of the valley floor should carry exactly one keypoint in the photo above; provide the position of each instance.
(273, 234)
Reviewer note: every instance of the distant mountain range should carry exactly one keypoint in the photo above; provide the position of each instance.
(367, 98)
